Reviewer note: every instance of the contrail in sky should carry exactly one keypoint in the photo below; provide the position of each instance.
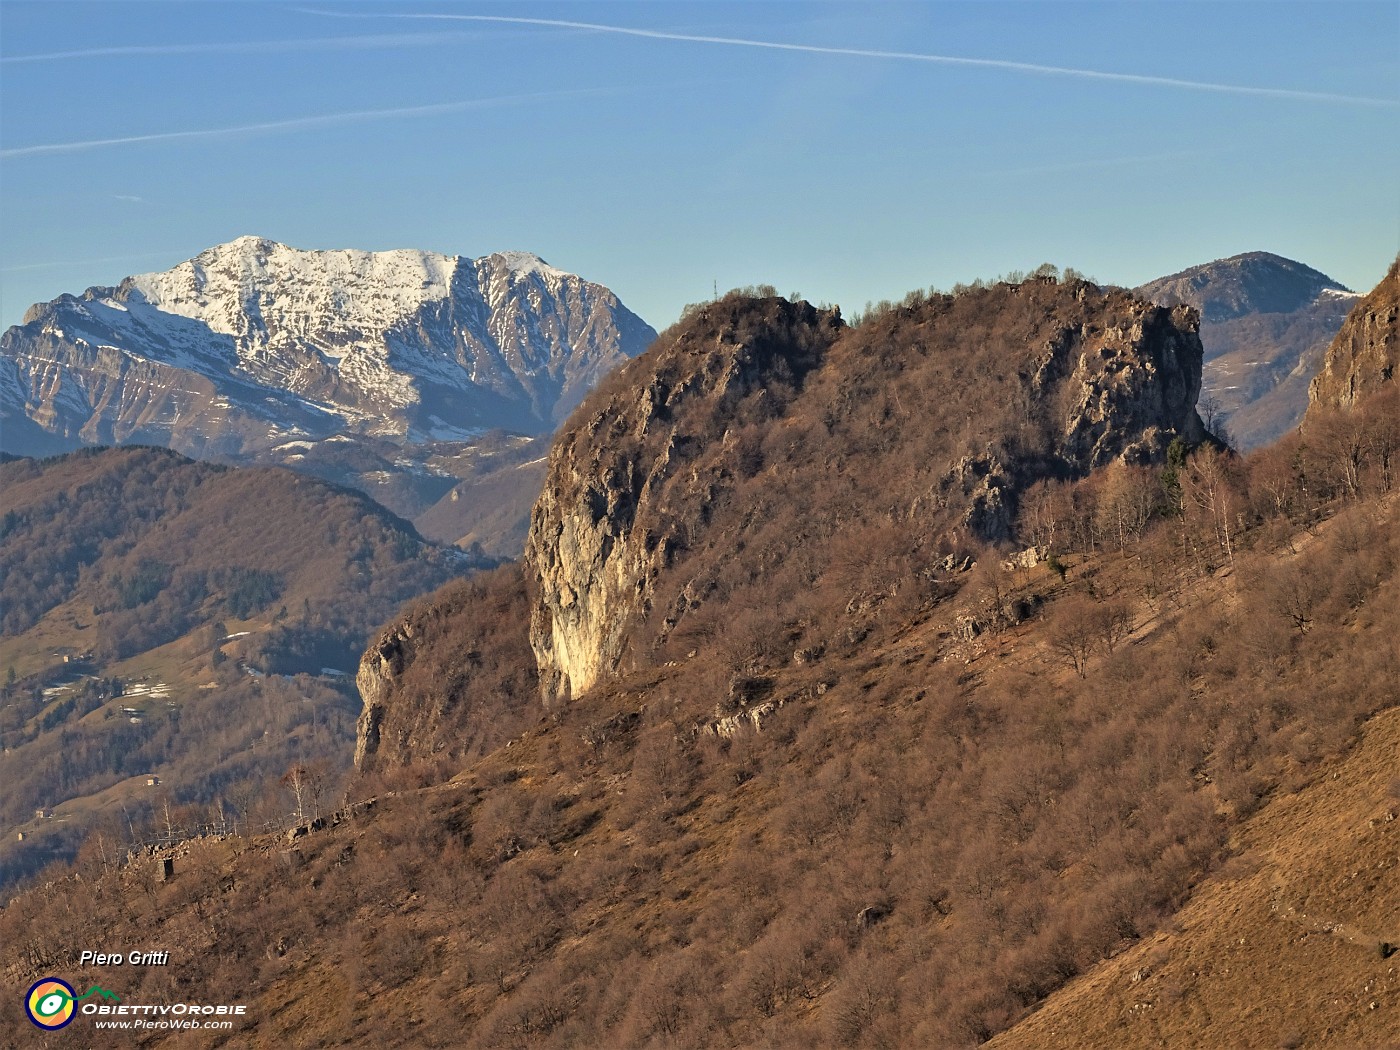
(903, 56)
(296, 123)
(329, 43)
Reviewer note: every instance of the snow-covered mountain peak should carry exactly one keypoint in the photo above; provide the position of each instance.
(527, 263)
(403, 345)
(368, 291)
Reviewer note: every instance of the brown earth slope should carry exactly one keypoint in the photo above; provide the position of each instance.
(861, 792)
(198, 622)
(1293, 944)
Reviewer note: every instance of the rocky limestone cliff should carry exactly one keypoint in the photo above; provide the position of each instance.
(619, 495)
(380, 665)
(652, 469)
(1363, 358)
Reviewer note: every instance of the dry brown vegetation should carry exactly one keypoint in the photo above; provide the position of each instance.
(787, 470)
(969, 788)
(467, 680)
(139, 557)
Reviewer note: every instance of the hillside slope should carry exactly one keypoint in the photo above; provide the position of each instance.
(907, 844)
(879, 782)
(761, 426)
(1291, 944)
(163, 616)
(1363, 359)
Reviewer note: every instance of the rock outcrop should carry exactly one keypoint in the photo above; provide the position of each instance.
(452, 677)
(380, 666)
(755, 415)
(1363, 359)
(1266, 323)
(623, 487)
(981, 395)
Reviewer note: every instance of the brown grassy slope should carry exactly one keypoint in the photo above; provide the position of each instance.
(1281, 948)
(617, 876)
(452, 679)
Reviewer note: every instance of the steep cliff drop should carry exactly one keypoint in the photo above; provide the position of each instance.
(627, 480)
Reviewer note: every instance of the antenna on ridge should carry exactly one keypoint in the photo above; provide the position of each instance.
(716, 295)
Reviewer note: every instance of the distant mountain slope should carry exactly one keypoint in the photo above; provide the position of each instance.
(257, 352)
(1251, 283)
(136, 578)
(1265, 323)
(491, 503)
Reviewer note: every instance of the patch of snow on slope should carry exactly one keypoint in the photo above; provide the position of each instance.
(528, 262)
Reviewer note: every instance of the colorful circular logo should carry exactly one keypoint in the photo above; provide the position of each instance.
(49, 1003)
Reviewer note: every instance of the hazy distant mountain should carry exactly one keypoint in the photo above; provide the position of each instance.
(1266, 321)
(256, 352)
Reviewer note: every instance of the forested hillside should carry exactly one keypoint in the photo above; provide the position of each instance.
(167, 617)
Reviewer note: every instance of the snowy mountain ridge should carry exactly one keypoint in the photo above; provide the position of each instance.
(253, 342)
(392, 372)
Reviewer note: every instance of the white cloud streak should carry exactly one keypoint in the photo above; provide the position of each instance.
(1030, 68)
(293, 124)
(330, 43)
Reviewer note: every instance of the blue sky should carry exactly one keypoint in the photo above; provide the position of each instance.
(134, 135)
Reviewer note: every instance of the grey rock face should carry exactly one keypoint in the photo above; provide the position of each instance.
(381, 663)
(1365, 356)
(621, 493)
